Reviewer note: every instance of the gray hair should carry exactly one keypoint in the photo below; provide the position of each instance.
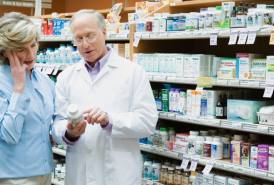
(16, 30)
(99, 17)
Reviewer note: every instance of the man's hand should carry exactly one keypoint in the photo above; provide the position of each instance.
(73, 132)
(52, 142)
(96, 115)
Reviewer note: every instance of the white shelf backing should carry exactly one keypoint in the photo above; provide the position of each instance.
(197, 34)
(69, 38)
(59, 151)
(218, 123)
(224, 82)
(219, 164)
(56, 182)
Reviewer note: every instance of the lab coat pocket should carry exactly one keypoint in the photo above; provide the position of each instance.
(120, 168)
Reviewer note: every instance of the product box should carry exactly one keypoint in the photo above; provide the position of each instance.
(199, 178)
(120, 49)
(168, 145)
(210, 64)
(135, 16)
(253, 156)
(228, 63)
(270, 68)
(245, 154)
(123, 28)
(50, 26)
(227, 8)
(195, 65)
(215, 66)
(147, 6)
(236, 181)
(220, 180)
(155, 64)
(165, 100)
(259, 63)
(244, 110)
(193, 102)
(127, 51)
(204, 103)
(263, 158)
(171, 1)
(181, 147)
(180, 65)
(112, 28)
(150, 61)
(226, 73)
(258, 74)
(188, 66)
(161, 59)
(182, 102)
(271, 158)
(236, 152)
(208, 179)
(188, 102)
(213, 97)
(182, 137)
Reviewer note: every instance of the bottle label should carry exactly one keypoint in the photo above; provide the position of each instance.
(199, 149)
(163, 25)
(250, 21)
(155, 174)
(191, 181)
(193, 23)
(226, 150)
(209, 21)
(185, 180)
(77, 120)
(170, 179)
(241, 21)
(191, 147)
(219, 111)
(175, 25)
(169, 25)
(207, 150)
(268, 19)
(163, 177)
(147, 172)
(202, 22)
(177, 179)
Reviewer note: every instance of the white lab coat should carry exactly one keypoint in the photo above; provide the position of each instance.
(123, 91)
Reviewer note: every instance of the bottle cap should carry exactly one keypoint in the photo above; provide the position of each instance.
(170, 168)
(193, 132)
(193, 173)
(200, 138)
(73, 108)
(164, 166)
(238, 137)
(225, 139)
(218, 7)
(209, 138)
(163, 129)
(217, 139)
(178, 168)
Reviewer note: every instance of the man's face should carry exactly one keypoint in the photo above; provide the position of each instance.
(85, 26)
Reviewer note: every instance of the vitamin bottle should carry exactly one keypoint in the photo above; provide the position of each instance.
(75, 114)
(178, 176)
(241, 16)
(170, 176)
(192, 142)
(185, 178)
(164, 174)
(226, 148)
(148, 169)
(217, 149)
(163, 136)
(156, 171)
(207, 146)
(233, 19)
(192, 178)
(220, 108)
(199, 145)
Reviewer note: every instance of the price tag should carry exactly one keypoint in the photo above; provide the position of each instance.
(213, 38)
(237, 125)
(271, 41)
(264, 129)
(55, 70)
(271, 175)
(233, 37)
(260, 173)
(234, 82)
(230, 167)
(243, 36)
(50, 69)
(223, 82)
(180, 117)
(248, 171)
(185, 162)
(206, 82)
(199, 89)
(253, 83)
(269, 87)
(149, 182)
(193, 165)
(238, 168)
(208, 167)
(221, 165)
(137, 38)
(251, 37)
(216, 122)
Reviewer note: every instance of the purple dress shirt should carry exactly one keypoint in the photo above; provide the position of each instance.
(93, 72)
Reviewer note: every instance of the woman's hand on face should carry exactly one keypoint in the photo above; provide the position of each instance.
(18, 72)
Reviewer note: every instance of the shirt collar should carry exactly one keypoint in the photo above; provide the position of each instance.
(100, 62)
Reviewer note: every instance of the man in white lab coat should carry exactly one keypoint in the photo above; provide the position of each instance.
(116, 96)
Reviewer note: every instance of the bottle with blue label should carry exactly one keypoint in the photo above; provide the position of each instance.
(226, 147)
(156, 169)
(217, 149)
(148, 169)
(175, 22)
(169, 22)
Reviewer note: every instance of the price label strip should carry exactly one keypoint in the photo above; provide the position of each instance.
(269, 87)
(233, 37)
(251, 37)
(213, 38)
(208, 167)
(193, 164)
(185, 162)
(243, 37)
(137, 38)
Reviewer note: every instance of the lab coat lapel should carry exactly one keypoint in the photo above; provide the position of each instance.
(84, 72)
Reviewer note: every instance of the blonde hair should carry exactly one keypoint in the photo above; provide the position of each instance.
(16, 30)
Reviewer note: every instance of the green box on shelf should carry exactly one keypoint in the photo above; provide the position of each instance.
(165, 100)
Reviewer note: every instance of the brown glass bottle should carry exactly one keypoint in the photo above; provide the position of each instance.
(178, 176)
(170, 176)
(164, 175)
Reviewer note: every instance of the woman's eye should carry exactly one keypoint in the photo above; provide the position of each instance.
(19, 50)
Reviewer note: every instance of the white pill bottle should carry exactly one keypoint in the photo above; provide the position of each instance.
(75, 114)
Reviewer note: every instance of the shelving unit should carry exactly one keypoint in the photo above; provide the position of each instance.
(56, 182)
(59, 151)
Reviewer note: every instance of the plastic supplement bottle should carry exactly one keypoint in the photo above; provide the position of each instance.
(163, 136)
(148, 169)
(210, 18)
(192, 141)
(193, 21)
(185, 178)
(250, 20)
(207, 147)
(155, 24)
(192, 178)
(202, 18)
(217, 149)
(164, 174)
(170, 176)
(178, 176)
(199, 145)
(226, 147)
(204, 133)
(156, 171)
(156, 136)
(75, 114)
(171, 133)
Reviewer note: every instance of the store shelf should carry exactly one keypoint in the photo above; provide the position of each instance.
(218, 164)
(56, 182)
(219, 123)
(150, 182)
(111, 37)
(198, 34)
(59, 151)
(222, 82)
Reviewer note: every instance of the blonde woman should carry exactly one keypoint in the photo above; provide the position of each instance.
(26, 106)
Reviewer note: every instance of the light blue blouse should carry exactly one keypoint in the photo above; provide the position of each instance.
(25, 148)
